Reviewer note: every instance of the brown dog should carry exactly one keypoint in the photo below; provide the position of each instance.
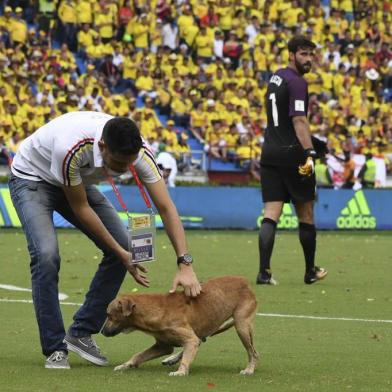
(179, 321)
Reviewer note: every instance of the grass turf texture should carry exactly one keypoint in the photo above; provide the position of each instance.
(296, 354)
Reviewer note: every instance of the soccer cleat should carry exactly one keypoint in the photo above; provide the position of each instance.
(266, 280)
(316, 274)
(57, 360)
(86, 348)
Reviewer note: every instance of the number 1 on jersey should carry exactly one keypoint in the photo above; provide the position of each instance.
(272, 97)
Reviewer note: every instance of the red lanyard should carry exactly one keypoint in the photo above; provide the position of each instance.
(139, 184)
(141, 187)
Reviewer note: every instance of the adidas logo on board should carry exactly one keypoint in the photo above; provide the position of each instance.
(356, 215)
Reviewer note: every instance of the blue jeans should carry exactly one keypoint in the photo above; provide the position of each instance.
(35, 203)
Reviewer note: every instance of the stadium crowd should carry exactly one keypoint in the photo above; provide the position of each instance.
(204, 65)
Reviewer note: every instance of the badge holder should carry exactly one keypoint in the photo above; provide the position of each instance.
(141, 228)
(141, 237)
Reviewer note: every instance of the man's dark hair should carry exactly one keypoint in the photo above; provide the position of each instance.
(122, 136)
(300, 42)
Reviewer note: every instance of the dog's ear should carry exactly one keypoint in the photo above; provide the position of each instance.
(125, 305)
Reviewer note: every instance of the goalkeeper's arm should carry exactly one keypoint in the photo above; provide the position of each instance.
(301, 126)
(302, 130)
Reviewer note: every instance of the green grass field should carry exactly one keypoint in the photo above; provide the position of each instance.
(297, 354)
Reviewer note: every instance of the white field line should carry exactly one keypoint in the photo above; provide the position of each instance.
(30, 301)
(297, 316)
(16, 288)
(294, 316)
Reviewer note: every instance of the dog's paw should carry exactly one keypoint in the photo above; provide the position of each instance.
(121, 367)
(124, 366)
(247, 372)
(177, 373)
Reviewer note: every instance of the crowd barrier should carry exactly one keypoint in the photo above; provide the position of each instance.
(242, 208)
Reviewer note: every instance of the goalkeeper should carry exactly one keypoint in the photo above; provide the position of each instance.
(287, 161)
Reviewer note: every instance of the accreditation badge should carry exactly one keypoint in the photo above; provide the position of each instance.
(141, 237)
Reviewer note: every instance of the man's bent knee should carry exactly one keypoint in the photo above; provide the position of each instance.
(46, 260)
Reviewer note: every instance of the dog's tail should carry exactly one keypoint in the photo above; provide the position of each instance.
(224, 327)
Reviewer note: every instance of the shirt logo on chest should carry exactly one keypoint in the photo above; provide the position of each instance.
(276, 80)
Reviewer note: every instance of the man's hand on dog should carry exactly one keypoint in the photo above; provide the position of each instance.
(186, 278)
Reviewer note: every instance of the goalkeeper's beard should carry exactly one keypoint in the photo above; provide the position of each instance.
(303, 68)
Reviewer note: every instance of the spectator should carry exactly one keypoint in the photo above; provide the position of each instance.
(218, 44)
(348, 173)
(170, 34)
(68, 24)
(145, 84)
(204, 45)
(383, 54)
(367, 174)
(85, 38)
(168, 165)
(18, 28)
(232, 49)
(110, 71)
(13, 143)
(180, 108)
(323, 176)
(46, 12)
(125, 15)
(104, 23)
(156, 36)
(198, 121)
(140, 32)
(84, 12)
(4, 153)
(252, 30)
(210, 19)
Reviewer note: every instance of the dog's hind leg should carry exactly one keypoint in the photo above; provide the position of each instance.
(155, 351)
(243, 320)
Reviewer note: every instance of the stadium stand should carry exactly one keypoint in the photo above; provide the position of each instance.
(193, 75)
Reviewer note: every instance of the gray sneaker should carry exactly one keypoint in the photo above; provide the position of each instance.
(57, 360)
(266, 280)
(86, 348)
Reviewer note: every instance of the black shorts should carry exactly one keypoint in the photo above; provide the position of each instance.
(279, 183)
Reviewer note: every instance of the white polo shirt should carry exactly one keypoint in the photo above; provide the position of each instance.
(65, 152)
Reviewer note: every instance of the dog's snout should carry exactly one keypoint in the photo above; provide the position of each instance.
(107, 333)
(107, 329)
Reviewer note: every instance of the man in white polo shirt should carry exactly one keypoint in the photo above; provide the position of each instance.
(54, 170)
